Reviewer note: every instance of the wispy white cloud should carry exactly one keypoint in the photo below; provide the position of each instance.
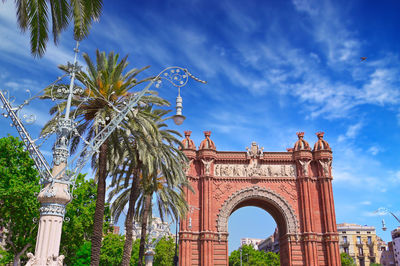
(372, 213)
(20, 85)
(395, 177)
(374, 150)
(328, 28)
(366, 173)
(366, 202)
(351, 133)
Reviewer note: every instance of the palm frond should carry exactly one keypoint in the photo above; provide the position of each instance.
(38, 26)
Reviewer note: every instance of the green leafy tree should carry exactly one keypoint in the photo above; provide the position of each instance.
(19, 183)
(79, 215)
(106, 89)
(165, 252)
(112, 248)
(346, 260)
(250, 256)
(111, 252)
(34, 17)
(82, 256)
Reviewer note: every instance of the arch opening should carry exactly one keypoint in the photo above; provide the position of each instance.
(251, 225)
(266, 206)
(266, 199)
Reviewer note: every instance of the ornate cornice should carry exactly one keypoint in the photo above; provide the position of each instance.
(54, 209)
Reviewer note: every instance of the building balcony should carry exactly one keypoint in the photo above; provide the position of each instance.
(344, 244)
(359, 245)
(372, 255)
(370, 244)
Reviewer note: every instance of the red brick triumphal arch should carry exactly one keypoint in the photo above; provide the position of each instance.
(294, 187)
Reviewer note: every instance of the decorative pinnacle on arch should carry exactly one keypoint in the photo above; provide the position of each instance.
(207, 143)
(301, 144)
(321, 144)
(300, 135)
(187, 142)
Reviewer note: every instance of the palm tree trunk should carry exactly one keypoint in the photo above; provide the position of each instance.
(145, 219)
(99, 212)
(126, 257)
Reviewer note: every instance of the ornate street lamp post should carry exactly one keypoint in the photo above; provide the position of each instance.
(240, 255)
(176, 258)
(56, 192)
(155, 234)
(386, 211)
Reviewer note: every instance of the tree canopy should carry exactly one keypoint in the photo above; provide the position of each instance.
(250, 256)
(112, 249)
(34, 17)
(346, 260)
(78, 227)
(19, 208)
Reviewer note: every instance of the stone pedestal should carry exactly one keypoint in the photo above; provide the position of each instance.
(53, 198)
(149, 257)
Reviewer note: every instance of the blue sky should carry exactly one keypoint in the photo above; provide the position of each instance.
(273, 68)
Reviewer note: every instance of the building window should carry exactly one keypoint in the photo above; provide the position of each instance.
(360, 252)
(369, 240)
(357, 232)
(344, 239)
(344, 232)
(368, 232)
(358, 239)
(346, 250)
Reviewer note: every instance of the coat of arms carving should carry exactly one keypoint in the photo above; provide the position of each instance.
(254, 151)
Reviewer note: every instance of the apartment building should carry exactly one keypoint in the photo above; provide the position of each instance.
(360, 242)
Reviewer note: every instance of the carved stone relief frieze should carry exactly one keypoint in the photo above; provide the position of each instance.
(255, 170)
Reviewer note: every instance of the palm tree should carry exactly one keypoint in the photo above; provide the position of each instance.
(106, 88)
(170, 201)
(170, 177)
(129, 172)
(34, 16)
(151, 155)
